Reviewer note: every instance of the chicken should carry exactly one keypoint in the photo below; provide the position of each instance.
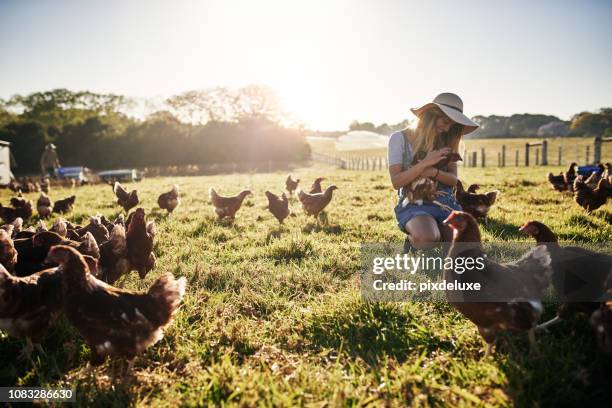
(64, 206)
(557, 182)
(426, 188)
(23, 210)
(316, 186)
(87, 245)
(29, 305)
(139, 237)
(477, 205)
(590, 199)
(226, 207)
(115, 322)
(511, 293)
(570, 176)
(278, 206)
(96, 228)
(313, 204)
(114, 262)
(60, 226)
(601, 320)
(170, 200)
(125, 199)
(45, 185)
(473, 188)
(14, 227)
(8, 253)
(44, 206)
(291, 184)
(593, 179)
(579, 277)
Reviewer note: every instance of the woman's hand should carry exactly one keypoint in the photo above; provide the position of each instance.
(434, 157)
(429, 172)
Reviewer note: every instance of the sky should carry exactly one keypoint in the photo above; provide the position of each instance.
(331, 61)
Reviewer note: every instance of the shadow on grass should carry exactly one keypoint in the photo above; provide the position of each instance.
(372, 331)
(566, 370)
(502, 230)
(328, 229)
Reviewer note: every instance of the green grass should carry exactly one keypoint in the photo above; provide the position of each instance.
(273, 315)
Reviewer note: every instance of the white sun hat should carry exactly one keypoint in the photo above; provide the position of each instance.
(452, 106)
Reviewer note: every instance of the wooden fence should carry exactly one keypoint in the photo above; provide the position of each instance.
(534, 153)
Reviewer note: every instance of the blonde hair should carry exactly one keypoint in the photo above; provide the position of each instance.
(427, 139)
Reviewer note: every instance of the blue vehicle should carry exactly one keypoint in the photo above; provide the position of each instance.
(586, 171)
(81, 175)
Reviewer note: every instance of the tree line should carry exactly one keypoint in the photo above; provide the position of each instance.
(219, 125)
(521, 125)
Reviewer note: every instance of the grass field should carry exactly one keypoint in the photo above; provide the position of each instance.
(573, 149)
(273, 316)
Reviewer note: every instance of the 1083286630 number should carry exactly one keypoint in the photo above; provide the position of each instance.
(28, 394)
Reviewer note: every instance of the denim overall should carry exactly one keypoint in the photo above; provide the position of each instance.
(411, 210)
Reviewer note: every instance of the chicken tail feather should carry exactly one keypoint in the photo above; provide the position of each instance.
(168, 292)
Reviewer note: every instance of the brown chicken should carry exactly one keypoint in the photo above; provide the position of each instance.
(114, 262)
(44, 206)
(558, 182)
(13, 228)
(313, 204)
(125, 199)
(23, 210)
(64, 206)
(580, 276)
(226, 207)
(570, 176)
(115, 322)
(96, 228)
(170, 200)
(278, 206)
(316, 186)
(519, 286)
(426, 188)
(45, 185)
(87, 245)
(590, 199)
(477, 205)
(291, 184)
(29, 305)
(139, 237)
(8, 253)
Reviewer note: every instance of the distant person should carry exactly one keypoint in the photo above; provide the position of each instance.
(49, 161)
(440, 128)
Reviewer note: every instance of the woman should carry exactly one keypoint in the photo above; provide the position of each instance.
(438, 132)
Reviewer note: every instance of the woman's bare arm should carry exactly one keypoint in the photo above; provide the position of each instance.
(401, 178)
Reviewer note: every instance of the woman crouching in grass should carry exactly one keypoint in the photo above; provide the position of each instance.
(439, 130)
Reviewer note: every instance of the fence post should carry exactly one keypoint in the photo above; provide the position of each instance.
(526, 154)
(482, 156)
(537, 161)
(588, 154)
(560, 153)
(597, 150)
(474, 159)
(516, 158)
(499, 159)
(545, 153)
(503, 156)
